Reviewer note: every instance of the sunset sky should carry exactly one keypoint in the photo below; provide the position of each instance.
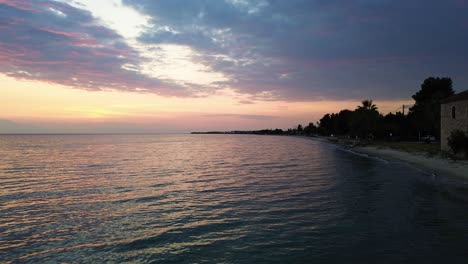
(147, 66)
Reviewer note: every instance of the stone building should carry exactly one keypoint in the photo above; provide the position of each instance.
(453, 115)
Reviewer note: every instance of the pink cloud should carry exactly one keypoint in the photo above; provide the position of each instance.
(21, 4)
(75, 51)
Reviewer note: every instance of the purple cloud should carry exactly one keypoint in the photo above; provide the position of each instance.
(73, 50)
(294, 50)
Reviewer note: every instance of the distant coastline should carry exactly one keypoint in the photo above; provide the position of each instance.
(244, 132)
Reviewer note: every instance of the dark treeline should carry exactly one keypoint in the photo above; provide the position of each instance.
(255, 132)
(422, 120)
(366, 122)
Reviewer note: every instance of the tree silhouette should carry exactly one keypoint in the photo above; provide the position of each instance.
(310, 129)
(299, 128)
(368, 105)
(425, 114)
(365, 119)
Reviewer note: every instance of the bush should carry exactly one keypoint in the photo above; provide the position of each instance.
(458, 142)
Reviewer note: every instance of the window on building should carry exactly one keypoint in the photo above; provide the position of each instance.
(453, 112)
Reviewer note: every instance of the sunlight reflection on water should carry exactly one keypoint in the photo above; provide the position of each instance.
(218, 198)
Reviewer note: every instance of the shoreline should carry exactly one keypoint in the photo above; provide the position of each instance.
(436, 165)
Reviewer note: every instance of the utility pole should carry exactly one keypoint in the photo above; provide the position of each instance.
(403, 109)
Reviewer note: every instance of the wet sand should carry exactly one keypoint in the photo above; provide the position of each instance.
(436, 165)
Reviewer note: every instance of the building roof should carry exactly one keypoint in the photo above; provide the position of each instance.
(457, 97)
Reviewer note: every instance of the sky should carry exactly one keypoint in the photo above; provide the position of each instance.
(172, 66)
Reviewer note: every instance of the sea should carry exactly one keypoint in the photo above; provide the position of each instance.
(221, 199)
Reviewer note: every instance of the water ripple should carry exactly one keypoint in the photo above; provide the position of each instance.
(219, 199)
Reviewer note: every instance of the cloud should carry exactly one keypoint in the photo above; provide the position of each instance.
(310, 50)
(55, 42)
(298, 50)
(10, 127)
(246, 102)
(245, 116)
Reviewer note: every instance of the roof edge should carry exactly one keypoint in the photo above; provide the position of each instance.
(462, 96)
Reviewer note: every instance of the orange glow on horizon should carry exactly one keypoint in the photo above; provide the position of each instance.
(40, 102)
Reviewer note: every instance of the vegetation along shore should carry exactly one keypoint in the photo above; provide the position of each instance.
(413, 137)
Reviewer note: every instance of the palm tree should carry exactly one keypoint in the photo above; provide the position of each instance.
(365, 119)
(368, 105)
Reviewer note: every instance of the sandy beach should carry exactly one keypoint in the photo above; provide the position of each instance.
(435, 165)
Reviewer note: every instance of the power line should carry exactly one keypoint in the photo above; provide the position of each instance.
(403, 109)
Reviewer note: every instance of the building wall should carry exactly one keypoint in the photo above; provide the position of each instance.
(448, 124)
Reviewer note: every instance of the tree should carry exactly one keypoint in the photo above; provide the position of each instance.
(343, 122)
(310, 129)
(365, 119)
(458, 142)
(368, 105)
(326, 125)
(299, 128)
(277, 131)
(425, 113)
(393, 127)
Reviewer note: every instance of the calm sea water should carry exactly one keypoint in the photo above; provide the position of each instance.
(220, 199)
